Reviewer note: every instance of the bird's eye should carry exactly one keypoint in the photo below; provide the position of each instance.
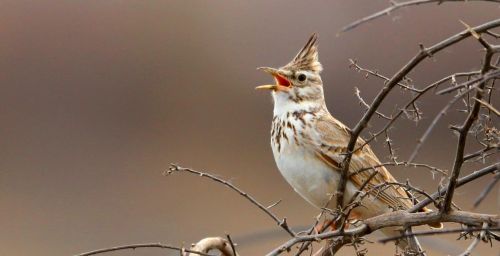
(302, 77)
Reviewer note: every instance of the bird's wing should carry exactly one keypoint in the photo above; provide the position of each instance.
(332, 139)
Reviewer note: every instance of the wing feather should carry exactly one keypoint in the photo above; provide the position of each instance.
(333, 137)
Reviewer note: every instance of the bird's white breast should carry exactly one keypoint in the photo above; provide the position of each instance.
(314, 180)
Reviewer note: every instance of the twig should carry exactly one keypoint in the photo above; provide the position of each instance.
(474, 243)
(363, 102)
(483, 78)
(233, 249)
(460, 182)
(437, 232)
(493, 34)
(394, 6)
(434, 122)
(273, 204)
(354, 64)
(412, 102)
(487, 190)
(282, 223)
(478, 153)
(136, 246)
(392, 152)
(488, 106)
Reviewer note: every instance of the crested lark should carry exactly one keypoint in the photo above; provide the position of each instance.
(308, 143)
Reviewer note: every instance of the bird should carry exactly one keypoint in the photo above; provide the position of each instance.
(309, 144)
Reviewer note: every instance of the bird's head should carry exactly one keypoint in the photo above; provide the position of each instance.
(299, 80)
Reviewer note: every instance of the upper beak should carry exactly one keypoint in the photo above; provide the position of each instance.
(278, 76)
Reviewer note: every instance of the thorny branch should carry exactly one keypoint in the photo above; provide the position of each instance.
(421, 55)
(438, 231)
(282, 223)
(397, 218)
(137, 246)
(471, 118)
(434, 122)
(437, 195)
(462, 181)
(397, 5)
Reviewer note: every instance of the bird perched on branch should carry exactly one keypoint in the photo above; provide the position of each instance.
(309, 144)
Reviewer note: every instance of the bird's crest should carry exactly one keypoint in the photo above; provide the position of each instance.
(307, 58)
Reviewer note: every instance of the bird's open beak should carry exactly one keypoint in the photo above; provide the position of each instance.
(282, 84)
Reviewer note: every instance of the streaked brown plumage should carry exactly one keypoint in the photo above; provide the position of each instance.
(309, 143)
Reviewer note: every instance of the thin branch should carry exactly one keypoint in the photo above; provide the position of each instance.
(434, 122)
(474, 243)
(137, 246)
(487, 190)
(282, 223)
(363, 102)
(488, 106)
(233, 249)
(394, 6)
(479, 153)
(412, 102)
(436, 232)
(493, 34)
(354, 64)
(481, 79)
(360, 190)
(460, 182)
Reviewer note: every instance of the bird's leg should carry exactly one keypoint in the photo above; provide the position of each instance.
(327, 223)
(330, 223)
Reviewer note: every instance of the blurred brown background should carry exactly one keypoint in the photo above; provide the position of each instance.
(98, 97)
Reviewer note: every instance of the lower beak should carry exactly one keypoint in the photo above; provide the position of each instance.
(267, 87)
(275, 87)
